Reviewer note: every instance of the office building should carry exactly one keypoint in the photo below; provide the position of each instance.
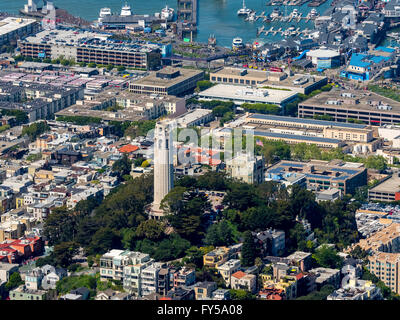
(351, 132)
(388, 190)
(240, 95)
(167, 81)
(366, 106)
(299, 83)
(323, 175)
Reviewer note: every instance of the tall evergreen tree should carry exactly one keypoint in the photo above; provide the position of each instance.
(249, 251)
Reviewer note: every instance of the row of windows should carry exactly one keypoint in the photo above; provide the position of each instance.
(230, 80)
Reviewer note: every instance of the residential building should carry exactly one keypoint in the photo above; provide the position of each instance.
(228, 268)
(221, 294)
(326, 276)
(217, 257)
(203, 290)
(246, 168)
(270, 241)
(244, 281)
(357, 290)
(6, 270)
(22, 293)
(184, 277)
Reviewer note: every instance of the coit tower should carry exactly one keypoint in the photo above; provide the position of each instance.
(163, 164)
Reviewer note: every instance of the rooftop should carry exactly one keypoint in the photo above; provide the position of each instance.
(353, 100)
(11, 24)
(243, 94)
(156, 81)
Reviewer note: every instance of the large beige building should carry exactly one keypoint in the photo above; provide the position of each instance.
(384, 259)
(299, 83)
(246, 169)
(366, 106)
(167, 81)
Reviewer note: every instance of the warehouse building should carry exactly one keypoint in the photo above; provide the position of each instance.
(322, 175)
(370, 108)
(91, 47)
(365, 66)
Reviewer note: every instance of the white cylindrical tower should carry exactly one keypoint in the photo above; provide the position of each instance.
(163, 162)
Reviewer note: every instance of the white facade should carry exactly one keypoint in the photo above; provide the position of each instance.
(163, 164)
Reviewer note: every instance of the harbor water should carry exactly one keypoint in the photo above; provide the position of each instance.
(217, 17)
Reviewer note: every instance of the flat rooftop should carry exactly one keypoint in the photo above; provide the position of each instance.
(361, 100)
(390, 185)
(193, 116)
(11, 24)
(153, 80)
(295, 137)
(258, 116)
(241, 93)
(88, 39)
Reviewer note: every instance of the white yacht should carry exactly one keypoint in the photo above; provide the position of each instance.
(295, 13)
(313, 13)
(237, 43)
(126, 10)
(105, 12)
(167, 13)
(275, 13)
(244, 11)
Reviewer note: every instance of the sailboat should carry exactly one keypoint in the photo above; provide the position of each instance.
(244, 11)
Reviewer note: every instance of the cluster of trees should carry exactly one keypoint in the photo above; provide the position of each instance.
(35, 129)
(139, 128)
(20, 116)
(264, 108)
(79, 120)
(291, 108)
(274, 151)
(385, 91)
(98, 226)
(122, 166)
(257, 207)
(203, 85)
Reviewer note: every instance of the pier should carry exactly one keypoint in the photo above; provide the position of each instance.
(289, 18)
(282, 32)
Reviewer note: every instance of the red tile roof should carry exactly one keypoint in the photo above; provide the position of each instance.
(239, 274)
(128, 148)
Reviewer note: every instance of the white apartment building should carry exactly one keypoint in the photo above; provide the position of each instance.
(228, 268)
